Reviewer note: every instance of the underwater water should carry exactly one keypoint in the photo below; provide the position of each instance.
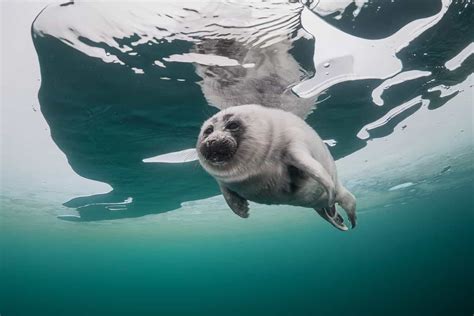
(104, 209)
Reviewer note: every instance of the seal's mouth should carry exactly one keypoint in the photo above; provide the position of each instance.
(218, 152)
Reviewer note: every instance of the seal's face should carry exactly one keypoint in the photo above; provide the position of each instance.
(220, 138)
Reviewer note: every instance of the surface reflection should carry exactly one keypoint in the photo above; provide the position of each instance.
(138, 81)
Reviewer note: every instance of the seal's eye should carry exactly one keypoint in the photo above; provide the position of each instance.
(208, 130)
(232, 126)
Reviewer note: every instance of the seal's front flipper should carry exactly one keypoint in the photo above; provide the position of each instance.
(332, 216)
(238, 204)
(299, 157)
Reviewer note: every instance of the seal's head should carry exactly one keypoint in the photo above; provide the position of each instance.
(235, 141)
(220, 139)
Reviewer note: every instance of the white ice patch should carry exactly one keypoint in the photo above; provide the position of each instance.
(159, 64)
(326, 7)
(456, 61)
(112, 206)
(343, 57)
(202, 59)
(330, 142)
(182, 156)
(138, 71)
(401, 186)
(249, 65)
(364, 132)
(399, 78)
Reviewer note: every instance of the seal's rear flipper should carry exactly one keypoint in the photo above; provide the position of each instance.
(332, 216)
(348, 202)
(331, 211)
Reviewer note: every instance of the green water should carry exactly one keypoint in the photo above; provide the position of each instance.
(412, 259)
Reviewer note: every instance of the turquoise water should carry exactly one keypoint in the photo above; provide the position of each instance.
(413, 259)
(88, 228)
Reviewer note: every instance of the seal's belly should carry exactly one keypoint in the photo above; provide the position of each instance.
(280, 184)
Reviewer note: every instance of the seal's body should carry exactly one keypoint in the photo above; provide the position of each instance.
(273, 157)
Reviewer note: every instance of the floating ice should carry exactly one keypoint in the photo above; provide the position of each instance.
(330, 142)
(128, 200)
(175, 157)
(159, 64)
(456, 61)
(326, 7)
(248, 65)
(364, 132)
(399, 78)
(138, 71)
(353, 58)
(202, 59)
(402, 186)
(338, 56)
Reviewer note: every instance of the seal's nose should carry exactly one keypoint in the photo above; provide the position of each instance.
(210, 142)
(218, 146)
(218, 150)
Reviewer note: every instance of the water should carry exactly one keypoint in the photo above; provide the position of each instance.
(104, 209)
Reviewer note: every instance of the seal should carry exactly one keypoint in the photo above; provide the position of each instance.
(271, 156)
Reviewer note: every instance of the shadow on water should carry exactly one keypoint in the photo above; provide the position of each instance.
(107, 119)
